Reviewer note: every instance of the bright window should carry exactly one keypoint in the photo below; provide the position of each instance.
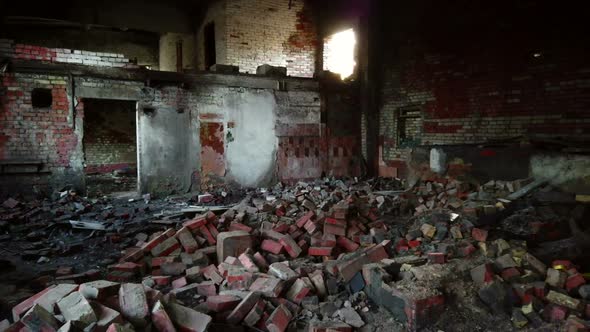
(339, 53)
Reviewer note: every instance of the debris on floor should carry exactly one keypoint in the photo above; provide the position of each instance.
(329, 255)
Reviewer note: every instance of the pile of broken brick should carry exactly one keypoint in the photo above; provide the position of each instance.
(285, 260)
(263, 278)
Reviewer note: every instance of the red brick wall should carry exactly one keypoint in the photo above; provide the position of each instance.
(480, 78)
(63, 55)
(37, 133)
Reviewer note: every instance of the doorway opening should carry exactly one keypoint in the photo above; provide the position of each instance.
(210, 54)
(110, 146)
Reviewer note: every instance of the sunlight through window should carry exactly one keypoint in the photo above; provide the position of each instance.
(339, 53)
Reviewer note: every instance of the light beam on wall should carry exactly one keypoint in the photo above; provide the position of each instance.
(339, 53)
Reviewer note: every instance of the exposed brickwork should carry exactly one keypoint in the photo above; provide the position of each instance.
(109, 135)
(36, 133)
(269, 32)
(46, 135)
(63, 55)
(478, 100)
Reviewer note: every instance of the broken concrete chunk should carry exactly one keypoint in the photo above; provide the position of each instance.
(76, 307)
(350, 317)
(99, 289)
(188, 319)
(282, 271)
(39, 319)
(133, 303)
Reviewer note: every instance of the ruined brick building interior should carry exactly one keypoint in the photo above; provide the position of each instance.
(294, 165)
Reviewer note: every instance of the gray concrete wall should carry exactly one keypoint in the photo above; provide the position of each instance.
(167, 153)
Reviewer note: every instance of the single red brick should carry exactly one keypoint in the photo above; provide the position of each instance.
(347, 244)
(279, 319)
(159, 239)
(334, 221)
(213, 230)
(219, 303)
(303, 220)
(179, 283)
(158, 261)
(207, 234)
(479, 234)
(290, 246)
(376, 253)
(207, 288)
(187, 240)
(211, 273)
(260, 260)
(235, 226)
(133, 255)
(281, 228)
(555, 313)
(328, 240)
(414, 243)
(320, 251)
(437, 258)
(311, 227)
(161, 280)
(298, 291)
(127, 267)
(510, 273)
(243, 308)
(248, 262)
(335, 229)
(196, 223)
(271, 246)
(574, 282)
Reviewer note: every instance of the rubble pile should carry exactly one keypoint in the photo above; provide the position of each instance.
(321, 256)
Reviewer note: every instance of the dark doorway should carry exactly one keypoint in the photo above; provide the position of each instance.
(210, 55)
(110, 146)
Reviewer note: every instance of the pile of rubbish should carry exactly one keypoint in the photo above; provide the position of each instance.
(322, 256)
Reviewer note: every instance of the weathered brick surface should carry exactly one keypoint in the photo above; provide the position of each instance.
(486, 91)
(63, 55)
(252, 33)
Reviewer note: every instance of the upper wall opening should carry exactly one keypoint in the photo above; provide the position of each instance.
(339, 53)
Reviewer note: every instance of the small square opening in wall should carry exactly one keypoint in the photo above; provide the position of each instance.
(41, 98)
(408, 127)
